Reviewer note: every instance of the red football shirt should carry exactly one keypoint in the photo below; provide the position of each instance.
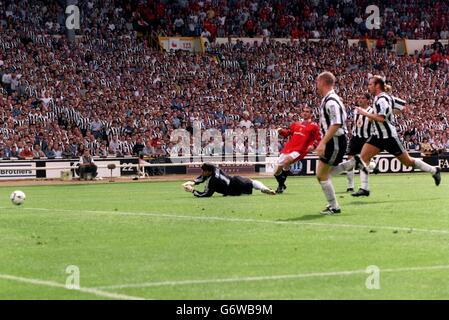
(302, 135)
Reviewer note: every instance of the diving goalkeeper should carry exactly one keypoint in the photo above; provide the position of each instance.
(217, 181)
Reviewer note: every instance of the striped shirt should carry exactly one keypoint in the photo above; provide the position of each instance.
(362, 126)
(383, 106)
(398, 103)
(333, 112)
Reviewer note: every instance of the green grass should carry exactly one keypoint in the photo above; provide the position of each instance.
(404, 224)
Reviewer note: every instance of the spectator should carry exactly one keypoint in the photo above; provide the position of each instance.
(26, 153)
(87, 166)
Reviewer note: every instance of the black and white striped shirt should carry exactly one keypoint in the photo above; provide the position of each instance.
(333, 112)
(383, 105)
(362, 126)
(398, 103)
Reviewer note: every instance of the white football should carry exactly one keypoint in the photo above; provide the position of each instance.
(17, 197)
(372, 165)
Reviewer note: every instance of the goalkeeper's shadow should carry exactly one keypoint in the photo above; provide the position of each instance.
(306, 217)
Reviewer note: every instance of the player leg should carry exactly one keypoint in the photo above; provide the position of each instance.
(399, 152)
(335, 150)
(350, 178)
(256, 184)
(355, 162)
(279, 173)
(283, 169)
(323, 176)
(370, 149)
(376, 167)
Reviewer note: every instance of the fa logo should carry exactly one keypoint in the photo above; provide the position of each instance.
(373, 280)
(73, 280)
(72, 22)
(373, 21)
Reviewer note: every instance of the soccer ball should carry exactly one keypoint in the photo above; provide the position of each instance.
(17, 197)
(372, 165)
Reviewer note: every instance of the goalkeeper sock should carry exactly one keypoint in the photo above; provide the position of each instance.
(259, 185)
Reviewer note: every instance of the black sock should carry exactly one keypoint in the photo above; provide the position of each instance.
(285, 174)
(281, 178)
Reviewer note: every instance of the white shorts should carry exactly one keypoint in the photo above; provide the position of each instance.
(284, 156)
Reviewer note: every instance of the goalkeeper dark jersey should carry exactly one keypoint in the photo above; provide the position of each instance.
(222, 183)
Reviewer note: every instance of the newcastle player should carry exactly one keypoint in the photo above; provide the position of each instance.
(385, 136)
(332, 147)
(361, 131)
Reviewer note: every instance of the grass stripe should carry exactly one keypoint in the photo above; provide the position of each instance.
(241, 220)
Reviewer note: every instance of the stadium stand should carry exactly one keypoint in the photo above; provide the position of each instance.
(114, 93)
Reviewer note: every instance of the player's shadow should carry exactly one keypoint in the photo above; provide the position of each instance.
(361, 202)
(306, 217)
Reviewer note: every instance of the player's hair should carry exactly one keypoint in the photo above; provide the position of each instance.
(388, 88)
(208, 167)
(380, 81)
(367, 96)
(307, 107)
(328, 78)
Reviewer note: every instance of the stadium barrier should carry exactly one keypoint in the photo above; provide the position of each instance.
(402, 46)
(129, 166)
(191, 44)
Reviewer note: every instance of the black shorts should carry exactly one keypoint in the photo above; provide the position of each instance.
(240, 185)
(355, 145)
(391, 145)
(335, 151)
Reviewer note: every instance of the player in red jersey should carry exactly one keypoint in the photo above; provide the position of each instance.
(304, 136)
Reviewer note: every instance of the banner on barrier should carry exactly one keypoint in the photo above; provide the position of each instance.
(102, 172)
(233, 169)
(192, 44)
(21, 170)
(307, 166)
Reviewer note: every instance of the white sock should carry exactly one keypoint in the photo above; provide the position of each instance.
(259, 185)
(419, 164)
(350, 176)
(364, 180)
(342, 167)
(329, 192)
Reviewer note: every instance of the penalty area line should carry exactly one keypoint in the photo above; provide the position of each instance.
(242, 220)
(53, 284)
(268, 278)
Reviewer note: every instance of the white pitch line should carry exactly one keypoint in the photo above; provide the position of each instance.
(267, 278)
(53, 284)
(241, 220)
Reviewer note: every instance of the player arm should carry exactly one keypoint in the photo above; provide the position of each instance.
(398, 105)
(372, 116)
(199, 180)
(397, 111)
(284, 132)
(208, 192)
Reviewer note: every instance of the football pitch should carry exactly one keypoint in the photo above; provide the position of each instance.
(152, 240)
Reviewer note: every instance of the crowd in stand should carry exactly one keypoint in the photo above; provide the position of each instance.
(111, 93)
(413, 19)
